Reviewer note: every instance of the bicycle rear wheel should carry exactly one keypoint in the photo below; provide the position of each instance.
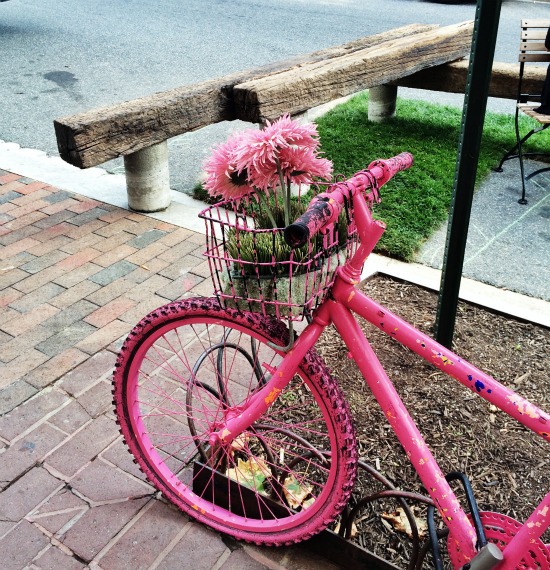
(189, 365)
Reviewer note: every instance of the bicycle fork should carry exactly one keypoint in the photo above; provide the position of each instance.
(258, 405)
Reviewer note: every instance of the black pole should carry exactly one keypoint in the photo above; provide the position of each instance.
(473, 115)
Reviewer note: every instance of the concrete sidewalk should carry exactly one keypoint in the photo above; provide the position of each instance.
(75, 275)
(508, 243)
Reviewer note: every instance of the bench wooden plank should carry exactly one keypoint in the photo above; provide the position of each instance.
(534, 57)
(451, 78)
(532, 46)
(96, 136)
(541, 23)
(532, 34)
(306, 86)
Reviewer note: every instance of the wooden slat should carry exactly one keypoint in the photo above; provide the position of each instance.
(534, 34)
(535, 24)
(310, 85)
(99, 135)
(530, 112)
(532, 46)
(534, 57)
(451, 78)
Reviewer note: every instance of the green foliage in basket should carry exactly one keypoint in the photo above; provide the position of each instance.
(260, 249)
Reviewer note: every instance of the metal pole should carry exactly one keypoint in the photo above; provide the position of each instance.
(473, 115)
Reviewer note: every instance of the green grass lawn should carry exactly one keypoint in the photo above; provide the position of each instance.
(415, 202)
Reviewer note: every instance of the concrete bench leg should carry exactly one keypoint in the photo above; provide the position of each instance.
(147, 178)
(382, 99)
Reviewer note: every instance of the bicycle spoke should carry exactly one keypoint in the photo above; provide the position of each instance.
(184, 380)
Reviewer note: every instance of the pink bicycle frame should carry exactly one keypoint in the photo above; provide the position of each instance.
(405, 429)
(345, 300)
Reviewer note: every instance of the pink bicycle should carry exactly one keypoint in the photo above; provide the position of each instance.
(241, 425)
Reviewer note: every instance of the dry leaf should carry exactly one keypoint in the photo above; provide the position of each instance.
(240, 442)
(354, 530)
(400, 523)
(251, 473)
(297, 494)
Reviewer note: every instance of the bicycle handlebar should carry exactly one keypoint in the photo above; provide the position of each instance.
(325, 208)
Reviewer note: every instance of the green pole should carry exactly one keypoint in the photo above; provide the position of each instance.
(473, 115)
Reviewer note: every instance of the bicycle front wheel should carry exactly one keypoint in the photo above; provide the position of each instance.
(188, 366)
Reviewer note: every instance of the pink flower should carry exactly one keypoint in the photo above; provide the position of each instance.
(301, 165)
(285, 151)
(288, 132)
(223, 177)
(286, 144)
(298, 165)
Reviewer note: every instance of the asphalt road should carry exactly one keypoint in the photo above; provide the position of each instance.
(60, 57)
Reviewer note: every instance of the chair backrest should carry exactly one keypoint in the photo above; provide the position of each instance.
(533, 34)
(532, 50)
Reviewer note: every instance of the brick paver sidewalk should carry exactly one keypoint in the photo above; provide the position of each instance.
(75, 276)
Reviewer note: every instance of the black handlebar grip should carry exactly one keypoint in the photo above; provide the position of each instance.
(296, 234)
(309, 223)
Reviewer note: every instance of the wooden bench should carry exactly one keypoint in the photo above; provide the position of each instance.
(138, 129)
(532, 49)
(451, 78)
(308, 85)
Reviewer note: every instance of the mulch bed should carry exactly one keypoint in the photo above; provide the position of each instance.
(509, 466)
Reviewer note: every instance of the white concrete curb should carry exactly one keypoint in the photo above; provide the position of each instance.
(500, 300)
(94, 183)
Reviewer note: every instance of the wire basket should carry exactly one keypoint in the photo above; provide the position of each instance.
(254, 270)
